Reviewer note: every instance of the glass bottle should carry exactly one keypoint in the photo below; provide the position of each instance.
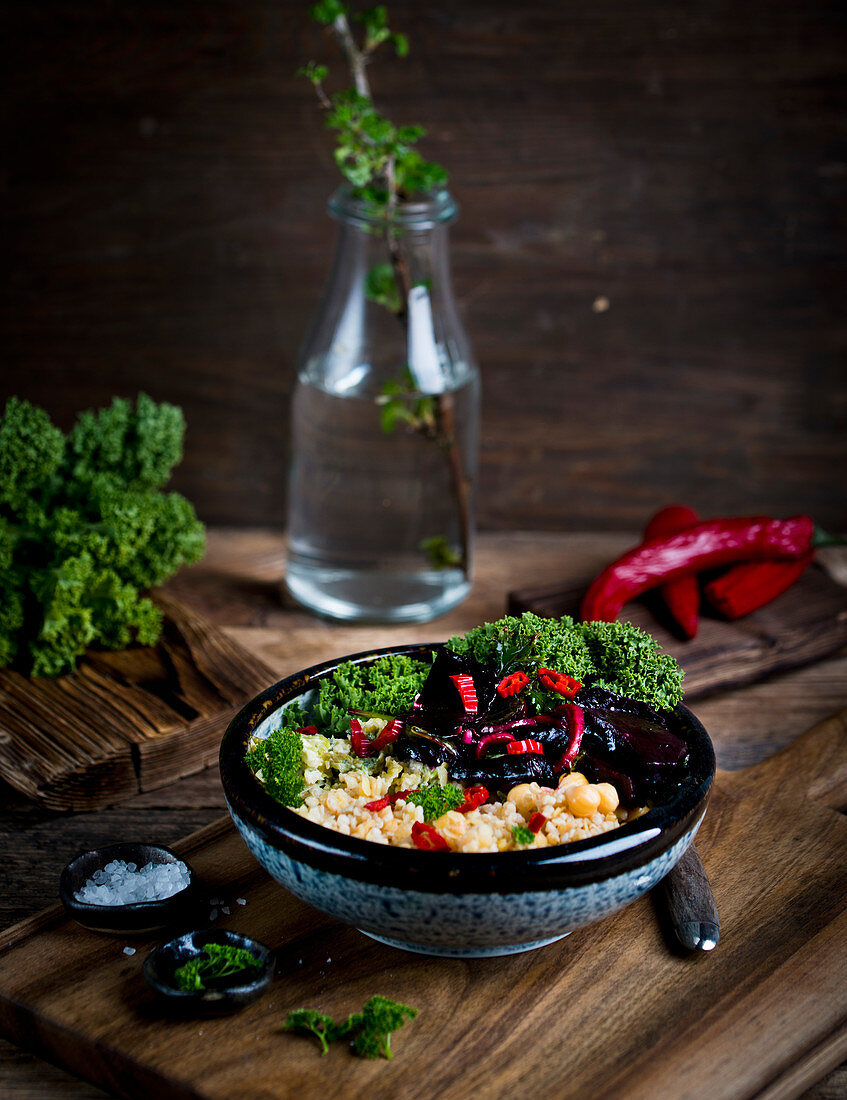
(385, 415)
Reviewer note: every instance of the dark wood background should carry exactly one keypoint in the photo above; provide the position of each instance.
(164, 205)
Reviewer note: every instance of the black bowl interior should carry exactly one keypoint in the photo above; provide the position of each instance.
(574, 864)
(222, 995)
(141, 916)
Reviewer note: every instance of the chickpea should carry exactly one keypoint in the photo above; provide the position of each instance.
(608, 798)
(571, 779)
(524, 798)
(583, 800)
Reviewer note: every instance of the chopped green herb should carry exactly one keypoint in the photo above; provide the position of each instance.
(307, 1019)
(379, 1018)
(369, 1030)
(436, 800)
(278, 762)
(523, 834)
(220, 961)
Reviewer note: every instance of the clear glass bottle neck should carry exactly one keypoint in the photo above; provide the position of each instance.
(438, 209)
(388, 312)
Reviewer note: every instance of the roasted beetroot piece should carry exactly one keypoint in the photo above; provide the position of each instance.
(640, 755)
(500, 773)
(440, 703)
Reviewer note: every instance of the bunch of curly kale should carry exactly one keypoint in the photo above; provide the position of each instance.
(84, 529)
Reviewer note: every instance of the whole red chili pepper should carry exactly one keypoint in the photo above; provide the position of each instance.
(751, 585)
(559, 681)
(512, 684)
(681, 597)
(427, 838)
(703, 546)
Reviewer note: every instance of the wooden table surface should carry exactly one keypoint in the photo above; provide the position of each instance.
(238, 587)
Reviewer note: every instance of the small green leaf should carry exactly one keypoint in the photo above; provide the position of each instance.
(381, 287)
(326, 12)
(401, 44)
(439, 553)
(523, 834)
(373, 19)
(316, 73)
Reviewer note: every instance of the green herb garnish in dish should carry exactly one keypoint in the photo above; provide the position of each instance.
(523, 834)
(220, 961)
(436, 800)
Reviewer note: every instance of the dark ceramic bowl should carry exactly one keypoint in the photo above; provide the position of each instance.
(456, 904)
(222, 995)
(136, 917)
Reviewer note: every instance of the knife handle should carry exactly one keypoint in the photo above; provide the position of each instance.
(691, 904)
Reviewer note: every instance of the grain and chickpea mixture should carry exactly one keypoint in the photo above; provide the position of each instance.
(574, 810)
(522, 734)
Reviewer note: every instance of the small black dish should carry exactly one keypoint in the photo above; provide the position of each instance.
(135, 917)
(222, 995)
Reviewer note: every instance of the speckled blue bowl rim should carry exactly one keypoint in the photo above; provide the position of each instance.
(585, 861)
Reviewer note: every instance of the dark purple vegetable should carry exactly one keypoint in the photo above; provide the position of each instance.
(502, 772)
(625, 742)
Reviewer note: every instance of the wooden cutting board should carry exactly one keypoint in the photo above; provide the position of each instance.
(805, 624)
(126, 722)
(608, 1011)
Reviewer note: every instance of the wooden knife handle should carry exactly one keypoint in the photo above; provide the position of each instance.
(691, 904)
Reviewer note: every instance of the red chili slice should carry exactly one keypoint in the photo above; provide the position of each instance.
(359, 739)
(472, 799)
(387, 800)
(576, 727)
(512, 684)
(537, 822)
(516, 747)
(428, 839)
(310, 730)
(467, 692)
(388, 736)
(559, 681)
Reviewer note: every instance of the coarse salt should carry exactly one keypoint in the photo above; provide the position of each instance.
(122, 883)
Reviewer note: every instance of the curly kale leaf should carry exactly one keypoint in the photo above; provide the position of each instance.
(528, 643)
(84, 530)
(630, 663)
(387, 687)
(617, 656)
(137, 447)
(31, 452)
